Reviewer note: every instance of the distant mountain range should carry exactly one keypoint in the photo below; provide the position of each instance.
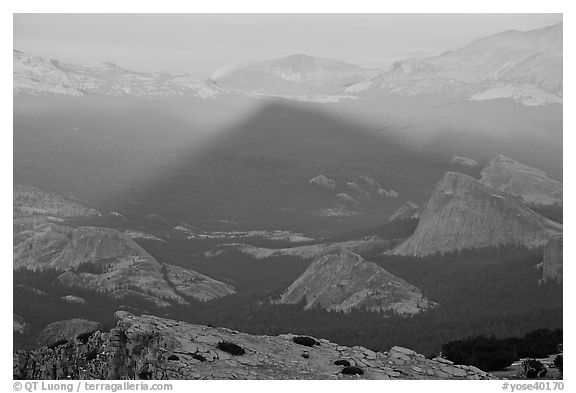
(39, 75)
(296, 76)
(522, 66)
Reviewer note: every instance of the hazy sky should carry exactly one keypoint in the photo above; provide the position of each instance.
(203, 42)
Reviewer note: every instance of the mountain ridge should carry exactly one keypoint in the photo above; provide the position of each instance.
(524, 66)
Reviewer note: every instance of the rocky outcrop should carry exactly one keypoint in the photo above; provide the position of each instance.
(365, 187)
(552, 261)
(459, 160)
(66, 330)
(74, 299)
(346, 199)
(147, 347)
(323, 181)
(18, 325)
(341, 280)
(529, 184)
(107, 260)
(408, 211)
(463, 213)
(352, 196)
(189, 283)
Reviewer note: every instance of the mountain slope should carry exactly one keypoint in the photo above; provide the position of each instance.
(341, 280)
(42, 76)
(32, 201)
(529, 184)
(408, 211)
(107, 260)
(463, 213)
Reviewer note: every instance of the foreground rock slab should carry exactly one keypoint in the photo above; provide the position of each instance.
(148, 347)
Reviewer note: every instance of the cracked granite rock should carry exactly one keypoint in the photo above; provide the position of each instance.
(149, 347)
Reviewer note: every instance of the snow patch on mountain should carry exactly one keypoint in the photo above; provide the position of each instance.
(359, 87)
(460, 160)
(523, 94)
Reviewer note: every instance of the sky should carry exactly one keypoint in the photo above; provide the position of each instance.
(202, 43)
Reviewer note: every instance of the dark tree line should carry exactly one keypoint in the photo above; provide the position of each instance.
(492, 353)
